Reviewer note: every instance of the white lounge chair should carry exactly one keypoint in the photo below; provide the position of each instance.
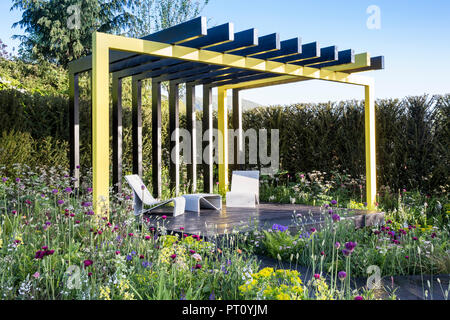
(244, 189)
(197, 201)
(143, 197)
(189, 202)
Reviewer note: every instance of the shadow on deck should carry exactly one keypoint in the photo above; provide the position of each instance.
(211, 222)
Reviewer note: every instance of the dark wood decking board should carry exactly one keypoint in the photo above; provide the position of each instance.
(211, 222)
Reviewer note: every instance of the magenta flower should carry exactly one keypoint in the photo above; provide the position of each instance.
(198, 266)
(87, 263)
(359, 298)
(414, 238)
(164, 217)
(317, 276)
(173, 256)
(337, 245)
(342, 275)
(147, 237)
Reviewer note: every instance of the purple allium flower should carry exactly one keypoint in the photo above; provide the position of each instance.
(129, 257)
(89, 190)
(146, 264)
(17, 180)
(350, 246)
(330, 211)
(60, 202)
(48, 223)
(333, 202)
(55, 191)
(337, 245)
(78, 167)
(342, 275)
(68, 190)
(336, 218)
(142, 187)
(4, 179)
(212, 296)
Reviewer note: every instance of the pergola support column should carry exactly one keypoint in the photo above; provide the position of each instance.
(74, 119)
(156, 140)
(371, 168)
(192, 128)
(237, 126)
(117, 133)
(137, 125)
(207, 125)
(100, 125)
(223, 140)
(174, 136)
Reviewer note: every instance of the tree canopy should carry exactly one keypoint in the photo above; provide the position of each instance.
(60, 31)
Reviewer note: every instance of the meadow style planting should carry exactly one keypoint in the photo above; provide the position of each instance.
(53, 246)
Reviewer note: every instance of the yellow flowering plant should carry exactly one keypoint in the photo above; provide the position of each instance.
(268, 284)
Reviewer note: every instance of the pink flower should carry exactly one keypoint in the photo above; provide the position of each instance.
(359, 298)
(147, 237)
(164, 217)
(36, 275)
(317, 276)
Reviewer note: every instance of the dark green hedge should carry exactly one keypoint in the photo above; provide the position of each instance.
(412, 136)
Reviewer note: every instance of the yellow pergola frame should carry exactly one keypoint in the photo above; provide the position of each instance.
(103, 43)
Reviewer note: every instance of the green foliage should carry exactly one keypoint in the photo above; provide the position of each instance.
(48, 35)
(156, 15)
(412, 139)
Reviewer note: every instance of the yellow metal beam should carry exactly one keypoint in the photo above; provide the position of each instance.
(371, 165)
(165, 50)
(223, 139)
(100, 124)
(362, 60)
(102, 43)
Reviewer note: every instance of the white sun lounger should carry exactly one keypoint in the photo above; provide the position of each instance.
(189, 202)
(143, 197)
(244, 189)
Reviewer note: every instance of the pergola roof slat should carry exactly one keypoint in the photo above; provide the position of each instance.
(195, 34)
(287, 48)
(242, 39)
(266, 43)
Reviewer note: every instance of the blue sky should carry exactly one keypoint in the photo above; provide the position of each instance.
(414, 38)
